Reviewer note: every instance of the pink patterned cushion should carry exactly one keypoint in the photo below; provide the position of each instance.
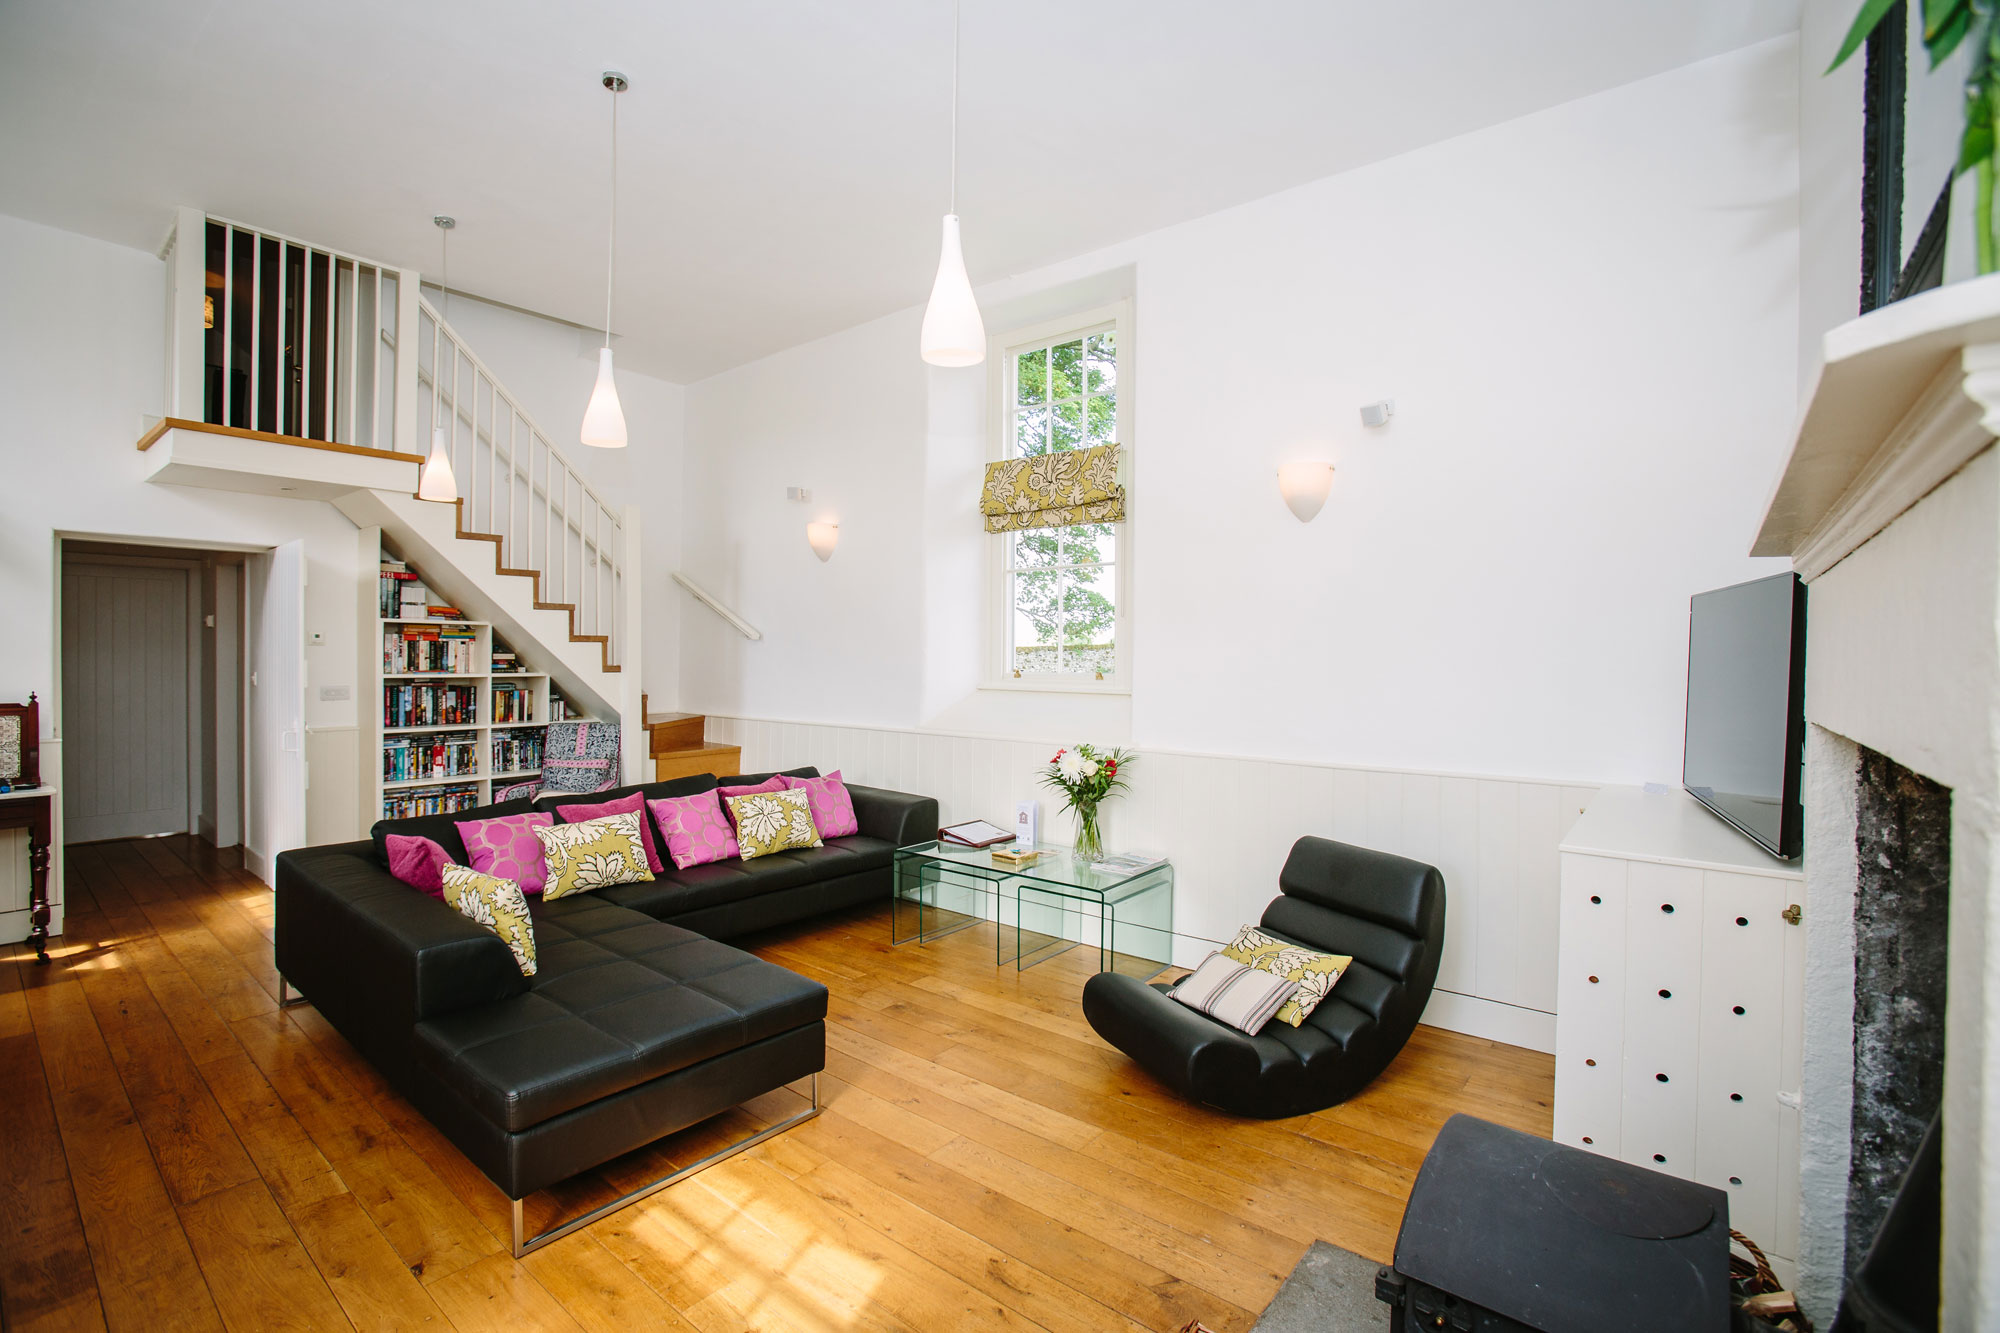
(695, 828)
(724, 795)
(506, 848)
(418, 862)
(832, 808)
(632, 804)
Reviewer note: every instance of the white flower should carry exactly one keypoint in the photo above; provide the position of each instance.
(1090, 768)
(1070, 765)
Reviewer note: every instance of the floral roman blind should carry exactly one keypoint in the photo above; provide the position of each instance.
(1053, 490)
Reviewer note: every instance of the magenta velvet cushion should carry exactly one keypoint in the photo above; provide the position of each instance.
(507, 848)
(723, 795)
(832, 808)
(695, 828)
(632, 804)
(418, 862)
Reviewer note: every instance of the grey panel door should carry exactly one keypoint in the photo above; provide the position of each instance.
(125, 701)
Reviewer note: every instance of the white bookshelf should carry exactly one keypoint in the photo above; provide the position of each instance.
(483, 776)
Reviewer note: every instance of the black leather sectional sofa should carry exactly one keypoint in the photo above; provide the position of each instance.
(639, 1021)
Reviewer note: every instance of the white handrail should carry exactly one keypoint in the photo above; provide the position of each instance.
(515, 484)
(700, 594)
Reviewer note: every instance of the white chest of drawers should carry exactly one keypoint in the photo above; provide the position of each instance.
(1679, 995)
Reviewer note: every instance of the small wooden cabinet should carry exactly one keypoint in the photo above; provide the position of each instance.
(1679, 1005)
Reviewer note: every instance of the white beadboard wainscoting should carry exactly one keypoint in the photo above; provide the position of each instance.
(1228, 823)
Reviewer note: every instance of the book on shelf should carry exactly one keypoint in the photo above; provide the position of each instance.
(429, 704)
(413, 758)
(513, 703)
(430, 801)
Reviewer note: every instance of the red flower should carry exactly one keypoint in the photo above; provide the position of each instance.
(1059, 755)
(1111, 767)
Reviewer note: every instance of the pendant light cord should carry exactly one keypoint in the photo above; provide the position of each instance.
(611, 248)
(954, 107)
(444, 290)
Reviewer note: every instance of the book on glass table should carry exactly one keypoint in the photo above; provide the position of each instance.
(975, 833)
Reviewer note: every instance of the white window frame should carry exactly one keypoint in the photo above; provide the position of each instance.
(1001, 351)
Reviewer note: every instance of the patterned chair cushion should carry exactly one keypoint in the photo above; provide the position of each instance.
(1315, 972)
(580, 756)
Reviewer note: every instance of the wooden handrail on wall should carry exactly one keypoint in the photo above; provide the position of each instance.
(700, 594)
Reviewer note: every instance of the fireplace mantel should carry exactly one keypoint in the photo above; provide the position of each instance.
(1889, 507)
(1906, 396)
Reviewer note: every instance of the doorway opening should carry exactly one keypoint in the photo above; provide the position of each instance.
(153, 698)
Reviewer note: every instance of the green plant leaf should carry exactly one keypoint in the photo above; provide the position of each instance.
(1943, 40)
(1871, 16)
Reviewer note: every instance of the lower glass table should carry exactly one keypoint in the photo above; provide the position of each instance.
(1122, 910)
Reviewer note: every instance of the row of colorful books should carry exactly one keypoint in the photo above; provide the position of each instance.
(407, 758)
(517, 751)
(429, 801)
(452, 648)
(513, 703)
(425, 704)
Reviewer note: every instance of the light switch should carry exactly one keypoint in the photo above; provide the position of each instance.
(334, 694)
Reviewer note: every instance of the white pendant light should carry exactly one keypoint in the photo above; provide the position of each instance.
(604, 419)
(435, 480)
(953, 335)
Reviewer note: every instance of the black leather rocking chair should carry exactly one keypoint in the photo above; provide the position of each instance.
(1386, 911)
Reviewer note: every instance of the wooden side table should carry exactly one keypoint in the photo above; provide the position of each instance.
(33, 808)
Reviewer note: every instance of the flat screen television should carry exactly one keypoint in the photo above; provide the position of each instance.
(1746, 725)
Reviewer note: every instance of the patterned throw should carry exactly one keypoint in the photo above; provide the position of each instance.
(1234, 993)
(773, 821)
(1054, 490)
(1315, 972)
(593, 855)
(496, 904)
(580, 756)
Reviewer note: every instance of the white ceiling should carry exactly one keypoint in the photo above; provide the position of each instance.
(783, 164)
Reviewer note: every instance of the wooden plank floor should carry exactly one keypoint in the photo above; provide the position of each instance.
(178, 1153)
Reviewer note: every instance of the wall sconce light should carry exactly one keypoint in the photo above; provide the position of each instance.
(823, 537)
(1305, 487)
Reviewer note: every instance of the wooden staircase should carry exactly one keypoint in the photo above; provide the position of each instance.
(603, 641)
(680, 747)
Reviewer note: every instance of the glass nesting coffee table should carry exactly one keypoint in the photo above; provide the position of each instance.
(1058, 903)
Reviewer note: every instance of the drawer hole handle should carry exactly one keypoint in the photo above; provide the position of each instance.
(1736, 1180)
(1668, 908)
(1666, 995)
(1591, 1063)
(1735, 1096)
(1588, 1139)
(1661, 1077)
(1593, 981)
(1596, 901)
(1660, 1157)
(1737, 1010)
(1742, 920)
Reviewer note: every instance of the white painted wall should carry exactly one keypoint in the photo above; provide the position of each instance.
(82, 345)
(550, 367)
(1588, 320)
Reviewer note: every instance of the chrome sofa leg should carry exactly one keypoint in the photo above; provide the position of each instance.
(523, 1244)
(285, 997)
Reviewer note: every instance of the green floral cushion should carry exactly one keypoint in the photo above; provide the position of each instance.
(593, 853)
(771, 821)
(1315, 972)
(496, 904)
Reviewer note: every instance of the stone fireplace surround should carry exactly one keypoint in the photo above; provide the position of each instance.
(1890, 509)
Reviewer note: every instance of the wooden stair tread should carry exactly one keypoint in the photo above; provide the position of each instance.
(706, 747)
(661, 719)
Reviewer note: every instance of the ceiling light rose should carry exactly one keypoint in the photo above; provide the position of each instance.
(953, 333)
(823, 537)
(1305, 487)
(435, 480)
(603, 418)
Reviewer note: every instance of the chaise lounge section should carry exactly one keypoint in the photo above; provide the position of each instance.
(638, 1022)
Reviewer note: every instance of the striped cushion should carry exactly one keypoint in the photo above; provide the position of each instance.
(1233, 992)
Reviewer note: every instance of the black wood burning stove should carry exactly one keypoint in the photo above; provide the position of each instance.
(1508, 1232)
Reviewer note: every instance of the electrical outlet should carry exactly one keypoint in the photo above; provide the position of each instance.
(316, 639)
